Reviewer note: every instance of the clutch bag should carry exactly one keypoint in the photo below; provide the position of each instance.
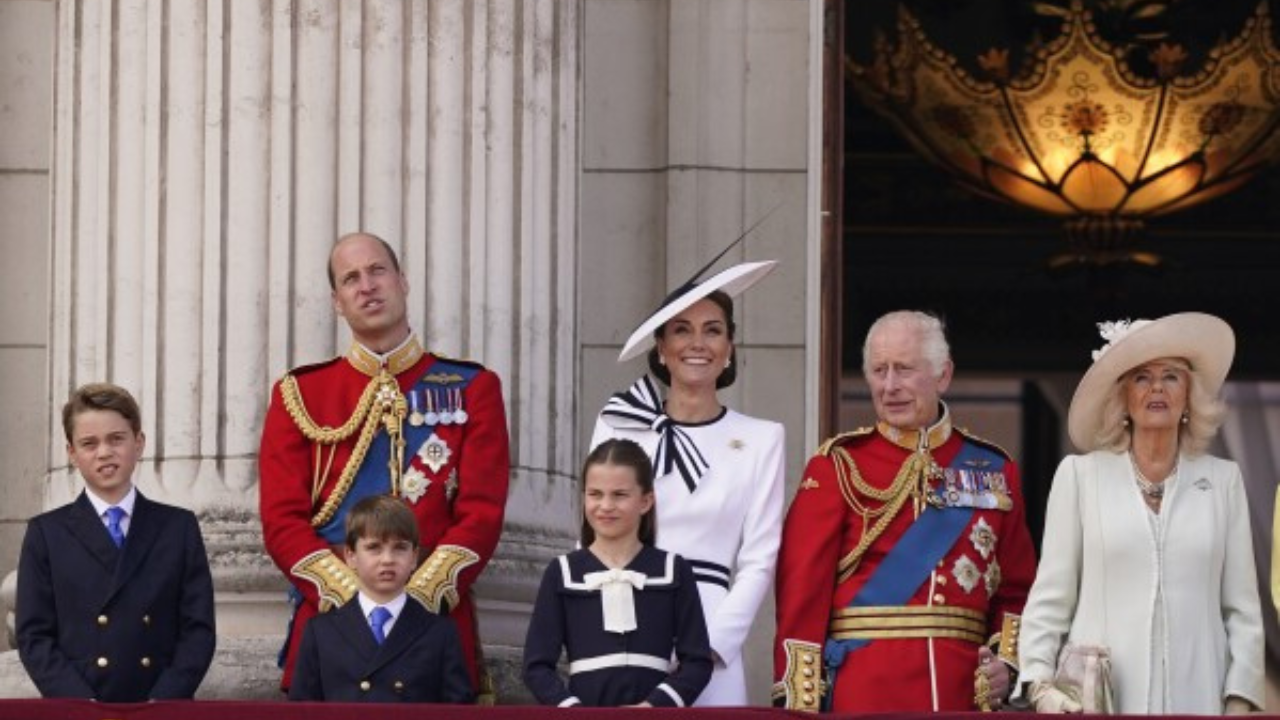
(1084, 675)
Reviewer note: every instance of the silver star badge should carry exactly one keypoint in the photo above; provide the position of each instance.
(434, 453)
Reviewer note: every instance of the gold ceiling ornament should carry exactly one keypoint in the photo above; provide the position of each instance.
(1079, 135)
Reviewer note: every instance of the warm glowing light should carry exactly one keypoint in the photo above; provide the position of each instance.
(1076, 133)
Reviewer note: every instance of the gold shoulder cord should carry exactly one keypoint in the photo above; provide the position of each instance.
(909, 482)
(380, 403)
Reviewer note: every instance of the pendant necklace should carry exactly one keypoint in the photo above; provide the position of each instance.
(1152, 490)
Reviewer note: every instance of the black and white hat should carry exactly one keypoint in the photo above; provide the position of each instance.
(731, 280)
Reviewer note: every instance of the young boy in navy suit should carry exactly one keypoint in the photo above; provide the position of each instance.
(115, 599)
(381, 648)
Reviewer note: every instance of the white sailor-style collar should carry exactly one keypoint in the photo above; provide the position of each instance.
(657, 566)
(582, 572)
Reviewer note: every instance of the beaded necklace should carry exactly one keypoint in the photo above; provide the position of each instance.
(1152, 490)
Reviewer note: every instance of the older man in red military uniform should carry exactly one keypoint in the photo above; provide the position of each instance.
(387, 418)
(905, 554)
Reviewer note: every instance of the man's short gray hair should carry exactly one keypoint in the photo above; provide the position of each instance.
(933, 337)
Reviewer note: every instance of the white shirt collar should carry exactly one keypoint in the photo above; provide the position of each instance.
(394, 606)
(126, 503)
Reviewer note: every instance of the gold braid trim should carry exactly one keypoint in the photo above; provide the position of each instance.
(801, 686)
(381, 403)
(348, 475)
(435, 583)
(911, 481)
(1005, 643)
(335, 582)
(318, 433)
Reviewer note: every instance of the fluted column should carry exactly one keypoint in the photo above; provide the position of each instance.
(207, 155)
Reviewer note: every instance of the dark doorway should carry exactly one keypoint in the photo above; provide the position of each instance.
(911, 237)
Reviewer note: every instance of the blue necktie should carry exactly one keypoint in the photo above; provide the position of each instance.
(114, 516)
(377, 619)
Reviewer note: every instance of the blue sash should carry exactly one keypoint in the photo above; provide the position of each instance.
(371, 478)
(912, 558)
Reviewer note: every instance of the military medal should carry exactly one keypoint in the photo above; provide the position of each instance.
(459, 414)
(415, 413)
(431, 417)
(434, 453)
(446, 410)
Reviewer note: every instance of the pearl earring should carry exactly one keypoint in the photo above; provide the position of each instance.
(1125, 422)
(662, 360)
(728, 363)
(1186, 418)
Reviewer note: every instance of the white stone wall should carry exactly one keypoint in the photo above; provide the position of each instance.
(26, 100)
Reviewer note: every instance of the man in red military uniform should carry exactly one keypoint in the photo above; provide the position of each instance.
(905, 554)
(387, 418)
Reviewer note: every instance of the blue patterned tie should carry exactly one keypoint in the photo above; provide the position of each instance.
(377, 619)
(114, 516)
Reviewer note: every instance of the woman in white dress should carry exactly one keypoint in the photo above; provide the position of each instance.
(1146, 547)
(719, 473)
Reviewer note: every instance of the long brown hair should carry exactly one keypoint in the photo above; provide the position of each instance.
(623, 453)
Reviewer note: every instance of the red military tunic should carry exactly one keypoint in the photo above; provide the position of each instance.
(458, 503)
(986, 573)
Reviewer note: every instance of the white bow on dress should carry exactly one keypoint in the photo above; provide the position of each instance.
(616, 596)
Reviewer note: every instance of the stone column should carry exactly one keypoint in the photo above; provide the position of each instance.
(207, 154)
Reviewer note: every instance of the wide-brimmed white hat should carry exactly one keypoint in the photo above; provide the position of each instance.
(731, 280)
(1204, 341)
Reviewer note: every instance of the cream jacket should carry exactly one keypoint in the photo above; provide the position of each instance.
(1100, 567)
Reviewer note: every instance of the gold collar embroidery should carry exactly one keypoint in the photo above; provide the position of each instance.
(911, 440)
(396, 361)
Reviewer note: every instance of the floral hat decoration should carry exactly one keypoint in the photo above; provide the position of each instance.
(1204, 341)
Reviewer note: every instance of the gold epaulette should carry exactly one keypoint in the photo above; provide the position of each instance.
(801, 686)
(983, 442)
(335, 582)
(435, 583)
(825, 447)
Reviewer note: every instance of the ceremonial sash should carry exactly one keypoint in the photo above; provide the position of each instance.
(371, 478)
(912, 558)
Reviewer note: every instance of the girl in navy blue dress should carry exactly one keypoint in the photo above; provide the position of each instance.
(627, 614)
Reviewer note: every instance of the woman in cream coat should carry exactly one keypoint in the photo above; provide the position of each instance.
(1147, 549)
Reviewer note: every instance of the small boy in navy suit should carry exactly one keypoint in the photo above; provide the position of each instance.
(381, 648)
(115, 599)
